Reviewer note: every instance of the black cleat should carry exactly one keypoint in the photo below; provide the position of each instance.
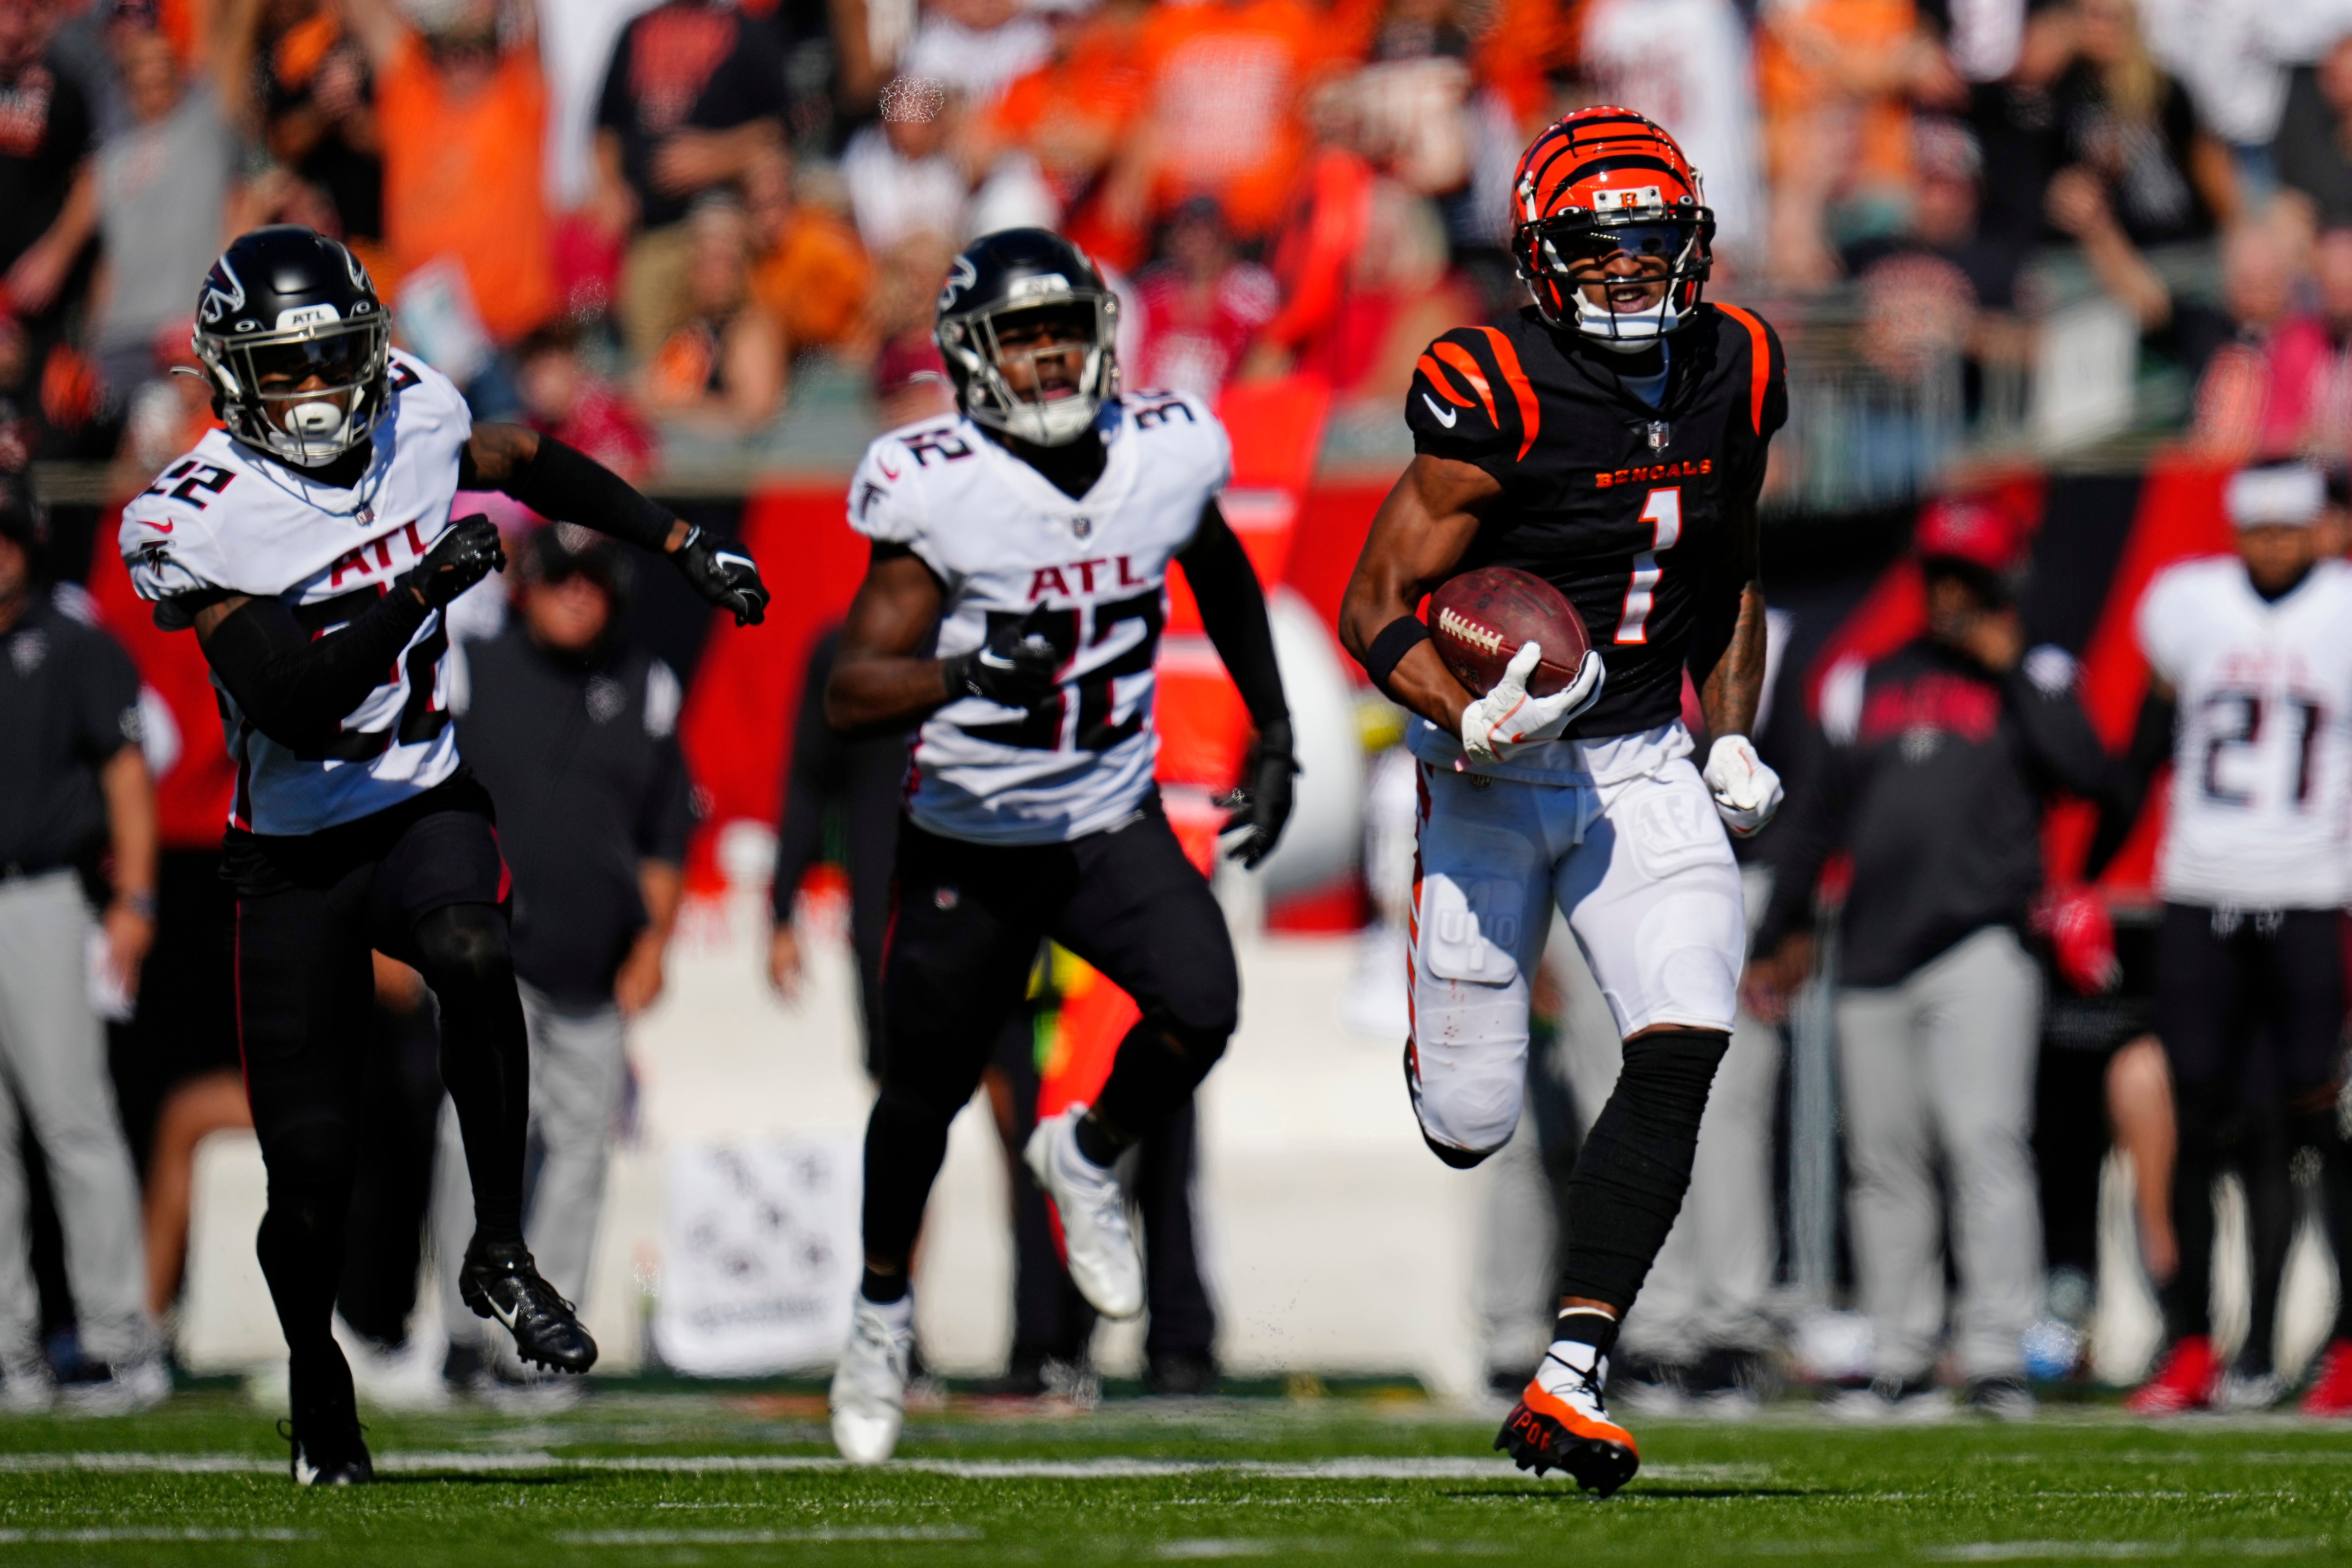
(328, 1449)
(500, 1280)
(1573, 1433)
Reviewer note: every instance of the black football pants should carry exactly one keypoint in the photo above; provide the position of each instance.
(429, 891)
(965, 927)
(2221, 976)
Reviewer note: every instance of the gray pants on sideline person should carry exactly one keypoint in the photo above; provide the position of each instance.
(1942, 1066)
(53, 1076)
(578, 1064)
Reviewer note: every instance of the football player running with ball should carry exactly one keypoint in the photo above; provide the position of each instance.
(1029, 535)
(309, 545)
(1611, 439)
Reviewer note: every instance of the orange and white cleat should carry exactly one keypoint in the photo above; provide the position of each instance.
(1561, 1423)
(2184, 1382)
(2330, 1394)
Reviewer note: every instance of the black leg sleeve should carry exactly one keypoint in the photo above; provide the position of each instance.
(1637, 1163)
(1145, 917)
(485, 1054)
(962, 939)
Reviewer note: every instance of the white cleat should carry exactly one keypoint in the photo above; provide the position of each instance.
(1104, 1264)
(870, 1386)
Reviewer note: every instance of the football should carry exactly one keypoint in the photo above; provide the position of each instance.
(1479, 620)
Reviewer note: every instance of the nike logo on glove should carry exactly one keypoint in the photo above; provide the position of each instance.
(1445, 416)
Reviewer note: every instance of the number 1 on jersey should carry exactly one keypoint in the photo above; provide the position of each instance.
(1663, 513)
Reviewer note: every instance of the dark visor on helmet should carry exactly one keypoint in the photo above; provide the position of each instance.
(336, 359)
(1583, 244)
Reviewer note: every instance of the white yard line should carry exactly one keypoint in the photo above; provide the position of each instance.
(100, 1536)
(757, 1537)
(1107, 1467)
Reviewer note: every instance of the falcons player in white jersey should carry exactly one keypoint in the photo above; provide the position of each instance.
(1027, 539)
(310, 547)
(2250, 659)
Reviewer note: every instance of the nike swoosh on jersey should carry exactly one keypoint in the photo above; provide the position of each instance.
(160, 526)
(1445, 416)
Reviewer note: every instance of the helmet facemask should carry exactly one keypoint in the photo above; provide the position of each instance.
(1562, 258)
(1063, 382)
(264, 399)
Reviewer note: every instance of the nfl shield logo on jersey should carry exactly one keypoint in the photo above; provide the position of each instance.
(1082, 526)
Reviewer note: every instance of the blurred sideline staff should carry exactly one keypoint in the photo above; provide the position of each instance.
(75, 787)
(1936, 763)
(574, 729)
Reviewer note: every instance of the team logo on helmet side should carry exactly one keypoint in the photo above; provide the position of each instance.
(961, 276)
(224, 293)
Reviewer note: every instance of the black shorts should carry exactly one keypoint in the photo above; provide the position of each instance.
(967, 919)
(438, 848)
(2222, 974)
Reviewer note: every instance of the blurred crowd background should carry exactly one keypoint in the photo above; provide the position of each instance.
(706, 236)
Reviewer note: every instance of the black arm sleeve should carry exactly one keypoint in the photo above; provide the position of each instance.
(565, 484)
(1233, 612)
(2151, 748)
(295, 688)
(818, 756)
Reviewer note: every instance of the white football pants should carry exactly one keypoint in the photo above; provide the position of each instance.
(1641, 868)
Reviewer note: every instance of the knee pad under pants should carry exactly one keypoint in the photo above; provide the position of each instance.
(1648, 879)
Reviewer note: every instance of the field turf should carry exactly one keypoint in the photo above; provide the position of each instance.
(636, 1477)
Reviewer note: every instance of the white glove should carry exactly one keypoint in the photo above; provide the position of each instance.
(1747, 792)
(1508, 717)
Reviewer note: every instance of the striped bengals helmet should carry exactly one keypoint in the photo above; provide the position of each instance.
(1603, 181)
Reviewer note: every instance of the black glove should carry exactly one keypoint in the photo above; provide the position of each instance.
(1260, 807)
(724, 572)
(466, 551)
(1018, 667)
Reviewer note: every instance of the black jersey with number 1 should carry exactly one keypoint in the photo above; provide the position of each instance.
(1621, 506)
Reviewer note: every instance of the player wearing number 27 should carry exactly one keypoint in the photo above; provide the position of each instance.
(309, 545)
(1611, 439)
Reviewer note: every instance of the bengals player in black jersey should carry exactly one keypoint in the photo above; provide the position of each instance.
(1610, 438)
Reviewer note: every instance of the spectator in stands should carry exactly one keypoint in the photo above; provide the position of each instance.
(722, 369)
(49, 188)
(1941, 286)
(903, 180)
(1936, 765)
(163, 190)
(318, 107)
(1836, 80)
(75, 787)
(2313, 152)
(2131, 125)
(694, 99)
(1222, 82)
(564, 397)
(1068, 119)
(1702, 90)
(573, 728)
(810, 271)
(462, 112)
(977, 47)
(1200, 305)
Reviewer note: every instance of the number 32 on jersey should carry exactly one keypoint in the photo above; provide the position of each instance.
(1663, 513)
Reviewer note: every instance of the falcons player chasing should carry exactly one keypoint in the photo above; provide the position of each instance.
(309, 545)
(1031, 534)
(1612, 440)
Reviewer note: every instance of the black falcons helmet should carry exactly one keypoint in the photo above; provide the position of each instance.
(283, 306)
(1010, 273)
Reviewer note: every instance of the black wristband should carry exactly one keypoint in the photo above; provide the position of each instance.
(565, 484)
(1397, 640)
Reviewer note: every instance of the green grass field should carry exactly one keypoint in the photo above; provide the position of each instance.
(638, 1476)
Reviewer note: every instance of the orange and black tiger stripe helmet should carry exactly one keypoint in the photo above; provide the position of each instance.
(1600, 181)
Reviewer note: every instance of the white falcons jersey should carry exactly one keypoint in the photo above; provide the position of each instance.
(1003, 539)
(226, 517)
(2262, 765)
